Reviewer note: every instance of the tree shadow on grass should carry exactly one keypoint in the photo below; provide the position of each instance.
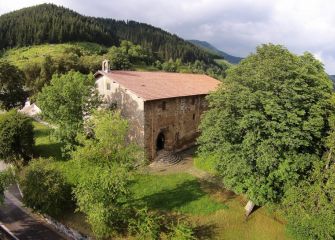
(49, 150)
(48, 146)
(38, 133)
(204, 232)
(170, 199)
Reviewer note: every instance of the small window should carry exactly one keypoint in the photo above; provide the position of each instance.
(108, 86)
(193, 100)
(163, 105)
(193, 116)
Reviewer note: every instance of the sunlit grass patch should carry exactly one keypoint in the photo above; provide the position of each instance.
(176, 192)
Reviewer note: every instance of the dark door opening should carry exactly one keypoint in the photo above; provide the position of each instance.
(160, 141)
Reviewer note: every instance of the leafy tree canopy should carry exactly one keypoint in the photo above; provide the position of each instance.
(103, 188)
(310, 206)
(267, 122)
(127, 54)
(45, 189)
(16, 138)
(65, 103)
(11, 86)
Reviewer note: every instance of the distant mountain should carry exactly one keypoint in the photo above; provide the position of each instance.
(48, 23)
(332, 77)
(210, 48)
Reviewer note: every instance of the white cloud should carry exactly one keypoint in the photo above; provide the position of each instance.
(234, 26)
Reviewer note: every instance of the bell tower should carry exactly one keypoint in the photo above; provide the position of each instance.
(105, 66)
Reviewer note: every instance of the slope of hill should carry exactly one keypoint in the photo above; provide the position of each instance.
(48, 23)
(24, 56)
(213, 50)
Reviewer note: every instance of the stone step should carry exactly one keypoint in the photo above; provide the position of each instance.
(167, 157)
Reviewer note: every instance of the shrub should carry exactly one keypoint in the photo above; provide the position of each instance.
(16, 138)
(145, 225)
(6, 177)
(11, 86)
(45, 189)
(182, 230)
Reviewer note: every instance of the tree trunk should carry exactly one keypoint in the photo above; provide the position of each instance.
(248, 208)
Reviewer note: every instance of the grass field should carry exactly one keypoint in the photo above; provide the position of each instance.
(218, 213)
(180, 193)
(46, 145)
(205, 164)
(35, 54)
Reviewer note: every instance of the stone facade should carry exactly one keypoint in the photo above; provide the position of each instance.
(131, 106)
(174, 121)
(156, 121)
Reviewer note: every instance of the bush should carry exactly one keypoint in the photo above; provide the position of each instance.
(16, 138)
(145, 225)
(6, 178)
(182, 230)
(12, 93)
(45, 189)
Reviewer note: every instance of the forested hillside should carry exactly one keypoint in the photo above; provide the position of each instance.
(48, 23)
(213, 50)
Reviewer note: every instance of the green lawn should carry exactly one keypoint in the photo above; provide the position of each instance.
(46, 145)
(21, 56)
(180, 193)
(205, 164)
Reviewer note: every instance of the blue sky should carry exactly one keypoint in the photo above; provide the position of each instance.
(235, 26)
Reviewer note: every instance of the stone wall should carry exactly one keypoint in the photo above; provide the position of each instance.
(130, 105)
(177, 118)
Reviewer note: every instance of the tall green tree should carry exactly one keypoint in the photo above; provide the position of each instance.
(16, 138)
(108, 159)
(11, 86)
(267, 122)
(65, 103)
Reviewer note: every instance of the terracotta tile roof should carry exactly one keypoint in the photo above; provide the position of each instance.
(160, 85)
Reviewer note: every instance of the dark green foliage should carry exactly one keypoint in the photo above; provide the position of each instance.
(65, 102)
(267, 122)
(127, 54)
(16, 138)
(45, 189)
(6, 178)
(48, 23)
(171, 66)
(11, 86)
(214, 70)
(310, 206)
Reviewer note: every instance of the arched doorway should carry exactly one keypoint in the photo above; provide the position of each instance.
(160, 141)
